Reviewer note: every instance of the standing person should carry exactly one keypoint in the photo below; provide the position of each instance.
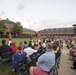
(31, 37)
(39, 38)
(9, 39)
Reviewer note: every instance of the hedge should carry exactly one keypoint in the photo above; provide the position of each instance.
(14, 36)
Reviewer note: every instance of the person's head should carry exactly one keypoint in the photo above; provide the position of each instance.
(30, 42)
(54, 47)
(43, 41)
(25, 42)
(30, 45)
(3, 41)
(34, 42)
(20, 43)
(11, 44)
(35, 45)
(40, 43)
(19, 49)
(57, 43)
(14, 43)
(49, 40)
(49, 46)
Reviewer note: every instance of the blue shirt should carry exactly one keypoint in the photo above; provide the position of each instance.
(25, 46)
(47, 60)
(17, 57)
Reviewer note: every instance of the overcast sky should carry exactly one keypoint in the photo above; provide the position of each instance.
(40, 14)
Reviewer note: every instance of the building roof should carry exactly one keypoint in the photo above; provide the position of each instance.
(56, 29)
(74, 25)
(26, 29)
(8, 21)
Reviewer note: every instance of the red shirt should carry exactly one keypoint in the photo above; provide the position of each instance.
(39, 37)
(13, 48)
(9, 38)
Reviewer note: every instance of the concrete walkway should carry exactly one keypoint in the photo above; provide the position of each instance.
(65, 64)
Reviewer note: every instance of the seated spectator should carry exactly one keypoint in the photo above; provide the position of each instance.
(4, 48)
(36, 43)
(20, 43)
(13, 48)
(31, 42)
(74, 62)
(11, 44)
(72, 51)
(35, 46)
(73, 42)
(29, 50)
(25, 45)
(43, 45)
(61, 44)
(55, 50)
(40, 46)
(45, 62)
(19, 54)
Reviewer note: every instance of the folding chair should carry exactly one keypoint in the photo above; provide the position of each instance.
(4, 58)
(53, 70)
(24, 64)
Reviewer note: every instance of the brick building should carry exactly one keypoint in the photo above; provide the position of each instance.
(10, 24)
(70, 31)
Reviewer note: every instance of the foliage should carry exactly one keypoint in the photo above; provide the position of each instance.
(17, 28)
(2, 26)
(24, 36)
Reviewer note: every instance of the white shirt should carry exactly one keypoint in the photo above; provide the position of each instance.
(44, 45)
(29, 50)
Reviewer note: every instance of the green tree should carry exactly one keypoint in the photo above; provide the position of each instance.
(17, 28)
(2, 26)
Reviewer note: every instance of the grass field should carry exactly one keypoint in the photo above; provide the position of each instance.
(17, 40)
(7, 66)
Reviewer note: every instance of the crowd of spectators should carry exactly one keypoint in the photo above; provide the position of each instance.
(71, 45)
(45, 62)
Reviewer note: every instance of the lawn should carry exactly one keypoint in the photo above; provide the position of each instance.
(7, 66)
(17, 40)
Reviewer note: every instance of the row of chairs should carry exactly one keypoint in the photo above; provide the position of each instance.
(4, 58)
(8, 57)
(32, 62)
(29, 62)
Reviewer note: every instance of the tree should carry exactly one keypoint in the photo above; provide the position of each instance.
(2, 26)
(17, 28)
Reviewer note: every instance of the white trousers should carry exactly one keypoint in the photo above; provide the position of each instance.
(9, 43)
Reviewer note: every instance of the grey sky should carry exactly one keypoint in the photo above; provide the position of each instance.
(40, 14)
